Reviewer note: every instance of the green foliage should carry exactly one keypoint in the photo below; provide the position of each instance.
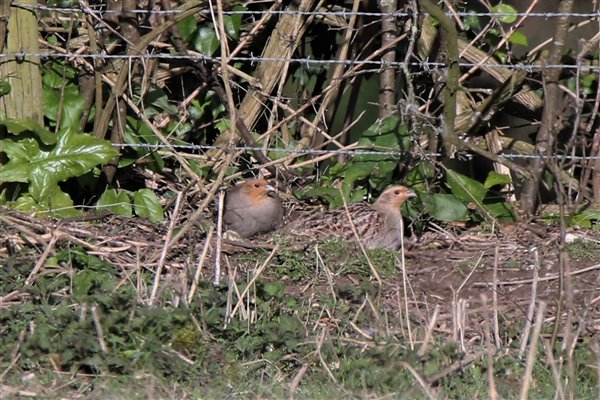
(63, 103)
(373, 171)
(145, 203)
(470, 199)
(42, 160)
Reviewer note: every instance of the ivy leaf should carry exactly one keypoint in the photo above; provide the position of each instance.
(206, 41)
(147, 205)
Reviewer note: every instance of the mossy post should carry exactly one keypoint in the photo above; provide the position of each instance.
(22, 72)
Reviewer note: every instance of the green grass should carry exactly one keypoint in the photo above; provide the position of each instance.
(350, 336)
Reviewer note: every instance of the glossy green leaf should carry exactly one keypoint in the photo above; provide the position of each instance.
(586, 219)
(69, 102)
(494, 178)
(465, 189)
(115, 200)
(446, 207)
(501, 210)
(187, 28)
(17, 127)
(517, 37)
(206, 41)
(147, 205)
(46, 201)
(510, 13)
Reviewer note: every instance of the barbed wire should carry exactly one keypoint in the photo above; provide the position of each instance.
(308, 61)
(341, 13)
(396, 154)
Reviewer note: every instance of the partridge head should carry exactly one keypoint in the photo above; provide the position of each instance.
(377, 225)
(252, 207)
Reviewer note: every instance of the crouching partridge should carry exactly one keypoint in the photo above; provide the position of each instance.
(377, 225)
(252, 207)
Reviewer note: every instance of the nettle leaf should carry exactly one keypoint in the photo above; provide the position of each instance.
(115, 200)
(466, 189)
(147, 205)
(446, 207)
(17, 127)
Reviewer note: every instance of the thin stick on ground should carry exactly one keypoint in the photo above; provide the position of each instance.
(98, 327)
(559, 392)
(531, 308)
(217, 279)
(495, 299)
(296, 380)
(421, 381)
(429, 331)
(254, 278)
(489, 347)
(531, 356)
(199, 266)
(165, 250)
(360, 244)
(38, 265)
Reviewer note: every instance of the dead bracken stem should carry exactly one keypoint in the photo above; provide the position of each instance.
(531, 356)
(199, 266)
(217, 278)
(531, 308)
(165, 250)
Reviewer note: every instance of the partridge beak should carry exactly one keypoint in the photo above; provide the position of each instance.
(271, 191)
(411, 194)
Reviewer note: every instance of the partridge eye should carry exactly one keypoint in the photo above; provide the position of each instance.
(257, 185)
(397, 191)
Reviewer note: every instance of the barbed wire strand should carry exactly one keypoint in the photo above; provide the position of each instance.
(308, 61)
(399, 154)
(341, 13)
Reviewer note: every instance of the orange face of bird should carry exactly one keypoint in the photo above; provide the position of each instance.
(257, 191)
(396, 195)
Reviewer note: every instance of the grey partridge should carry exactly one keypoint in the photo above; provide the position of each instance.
(377, 225)
(252, 207)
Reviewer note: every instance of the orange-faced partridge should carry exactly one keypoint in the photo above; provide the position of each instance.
(252, 207)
